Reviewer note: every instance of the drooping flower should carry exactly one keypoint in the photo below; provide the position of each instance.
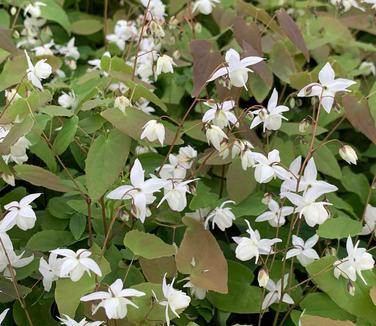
(204, 7)
(67, 100)
(70, 50)
(198, 293)
(9, 260)
(3, 315)
(220, 114)
(115, 300)
(348, 154)
(271, 117)
(173, 299)
(123, 31)
(215, 136)
(67, 321)
(357, 260)
(173, 169)
(306, 205)
(140, 191)
(153, 130)
(186, 156)
(175, 193)
(276, 214)
(369, 219)
(121, 103)
(221, 216)
(327, 88)
(21, 213)
(165, 64)
(253, 246)
(75, 264)
(304, 251)
(34, 9)
(35, 74)
(275, 293)
(236, 68)
(267, 168)
(50, 270)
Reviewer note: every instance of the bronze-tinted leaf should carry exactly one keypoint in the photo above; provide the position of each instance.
(155, 269)
(6, 41)
(358, 113)
(292, 31)
(247, 32)
(205, 62)
(308, 320)
(201, 257)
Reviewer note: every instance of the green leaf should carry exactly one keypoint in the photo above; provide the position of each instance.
(204, 197)
(43, 151)
(241, 298)
(49, 239)
(147, 245)
(52, 11)
(77, 225)
(251, 206)
(13, 72)
(319, 304)
(356, 183)
(66, 135)
(106, 159)
(132, 121)
(86, 26)
(339, 227)
(41, 177)
(360, 304)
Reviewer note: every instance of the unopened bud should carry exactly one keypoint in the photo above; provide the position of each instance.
(13, 11)
(263, 277)
(198, 28)
(348, 154)
(350, 288)
(304, 125)
(16, 34)
(176, 54)
(292, 102)
(330, 251)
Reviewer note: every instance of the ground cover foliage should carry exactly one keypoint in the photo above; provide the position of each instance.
(207, 162)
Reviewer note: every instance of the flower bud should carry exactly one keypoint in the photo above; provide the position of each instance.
(266, 198)
(165, 64)
(304, 125)
(13, 11)
(153, 130)
(330, 251)
(350, 288)
(263, 277)
(215, 136)
(176, 54)
(198, 28)
(292, 102)
(348, 154)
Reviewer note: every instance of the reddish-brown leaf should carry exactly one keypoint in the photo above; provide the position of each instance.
(205, 62)
(249, 33)
(358, 113)
(201, 257)
(292, 31)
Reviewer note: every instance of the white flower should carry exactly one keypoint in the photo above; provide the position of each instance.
(276, 214)
(3, 315)
(75, 264)
(215, 136)
(367, 67)
(304, 251)
(357, 260)
(115, 300)
(272, 116)
(21, 213)
(306, 205)
(17, 152)
(347, 4)
(236, 68)
(34, 9)
(253, 246)
(186, 156)
(165, 64)
(143, 105)
(50, 271)
(173, 170)
(44, 49)
(267, 168)
(174, 299)
(67, 100)
(370, 219)
(156, 9)
(204, 6)
(220, 114)
(123, 31)
(263, 277)
(175, 194)
(67, 321)
(121, 103)
(275, 293)
(141, 191)
(35, 74)
(327, 88)
(198, 293)
(247, 159)
(11, 260)
(348, 154)
(153, 130)
(70, 50)
(221, 216)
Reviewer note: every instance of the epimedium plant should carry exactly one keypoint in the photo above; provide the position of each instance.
(187, 162)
